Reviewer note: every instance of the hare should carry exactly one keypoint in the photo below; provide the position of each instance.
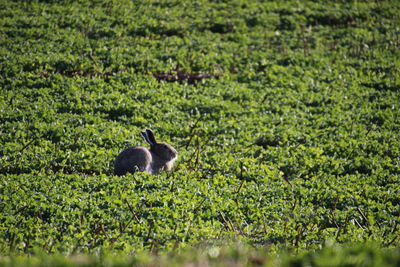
(138, 158)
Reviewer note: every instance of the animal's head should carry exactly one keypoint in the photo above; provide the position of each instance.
(163, 150)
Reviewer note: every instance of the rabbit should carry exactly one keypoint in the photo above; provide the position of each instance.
(138, 158)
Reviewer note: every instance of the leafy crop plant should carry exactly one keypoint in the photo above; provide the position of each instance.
(286, 116)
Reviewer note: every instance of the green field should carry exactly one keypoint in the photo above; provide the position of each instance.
(285, 114)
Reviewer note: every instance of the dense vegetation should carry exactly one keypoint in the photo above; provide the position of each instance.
(364, 255)
(285, 116)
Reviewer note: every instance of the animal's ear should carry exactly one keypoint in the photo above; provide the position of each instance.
(146, 138)
(150, 137)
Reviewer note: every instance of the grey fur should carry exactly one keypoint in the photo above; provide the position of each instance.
(159, 156)
(146, 138)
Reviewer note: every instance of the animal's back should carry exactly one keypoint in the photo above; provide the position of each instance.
(132, 159)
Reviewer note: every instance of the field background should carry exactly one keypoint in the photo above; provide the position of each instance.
(285, 116)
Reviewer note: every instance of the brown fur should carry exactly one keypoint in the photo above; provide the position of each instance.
(159, 156)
